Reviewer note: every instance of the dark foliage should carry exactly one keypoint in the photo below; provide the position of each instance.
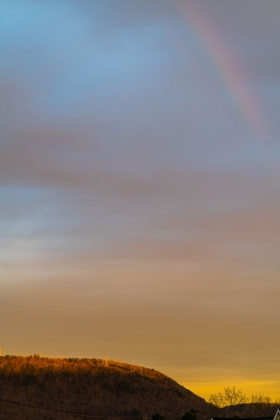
(76, 387)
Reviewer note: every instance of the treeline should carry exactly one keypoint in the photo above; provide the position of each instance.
(234, 402)
(94, 387)
(40, 388)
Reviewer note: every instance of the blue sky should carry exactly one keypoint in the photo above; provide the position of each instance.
(138, 204)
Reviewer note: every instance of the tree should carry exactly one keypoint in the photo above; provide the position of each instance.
(235, 403)
(260, 405)
(190, 415)
(230, 396)
(260, 399)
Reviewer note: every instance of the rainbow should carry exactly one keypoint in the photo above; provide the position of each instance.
(229, 69)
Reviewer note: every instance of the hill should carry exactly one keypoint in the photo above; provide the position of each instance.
(44, 388)
(250, 410)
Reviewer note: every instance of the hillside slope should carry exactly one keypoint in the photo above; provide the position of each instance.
(87, 386)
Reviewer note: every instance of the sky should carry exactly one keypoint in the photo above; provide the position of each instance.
(139, 186)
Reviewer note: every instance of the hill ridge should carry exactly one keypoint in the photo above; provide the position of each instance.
(96, 387)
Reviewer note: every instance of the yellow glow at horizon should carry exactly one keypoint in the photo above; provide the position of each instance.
(204, 390)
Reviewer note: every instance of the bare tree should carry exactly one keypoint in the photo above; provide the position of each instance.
(261, 399)
(259, 404)
(230, 396)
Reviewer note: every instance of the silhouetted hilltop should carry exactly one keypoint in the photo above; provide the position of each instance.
(88, 386)
(261, 411)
